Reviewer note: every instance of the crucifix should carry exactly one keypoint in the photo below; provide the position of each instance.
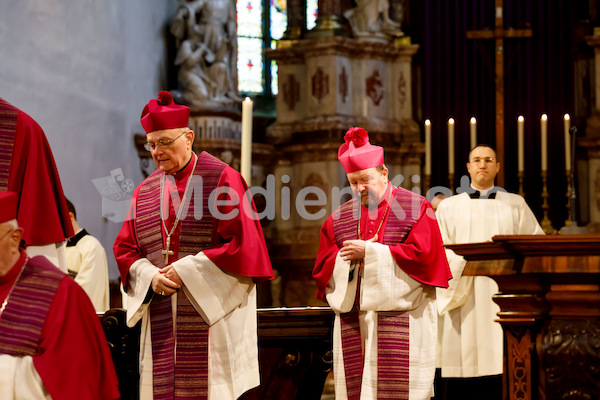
(167, 252)
(498, 34)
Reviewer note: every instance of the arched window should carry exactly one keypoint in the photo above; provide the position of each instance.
(260, 24)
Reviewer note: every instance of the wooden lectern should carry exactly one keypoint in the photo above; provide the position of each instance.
(549, 310)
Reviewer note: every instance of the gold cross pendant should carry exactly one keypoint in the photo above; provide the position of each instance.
(167, 252)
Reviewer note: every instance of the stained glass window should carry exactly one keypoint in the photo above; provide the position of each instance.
(312, 7)
(251, 77)
(257, 31)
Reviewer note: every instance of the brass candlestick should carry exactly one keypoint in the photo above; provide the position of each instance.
(568, 220)
(521, 175)
(451, 181)
(546, 224)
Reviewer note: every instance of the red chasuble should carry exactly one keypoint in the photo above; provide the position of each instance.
(27, 167)
(420, 253)
(49, 317)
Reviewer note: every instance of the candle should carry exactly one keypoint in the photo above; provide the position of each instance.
(427, 147)
(521, 142)
(544, 140)
(451, 146)
(246, 151)
(473, 126)
(567, 143)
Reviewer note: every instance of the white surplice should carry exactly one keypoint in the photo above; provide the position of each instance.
(20, 380)
(384, 287)
(226, 302)
(469, 339)
(88, 259)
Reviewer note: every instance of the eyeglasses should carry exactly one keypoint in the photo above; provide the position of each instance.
(163, 145)
(486, 160)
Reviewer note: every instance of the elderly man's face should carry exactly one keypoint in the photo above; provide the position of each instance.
(10, 238)
(176, 154)
(369, 185)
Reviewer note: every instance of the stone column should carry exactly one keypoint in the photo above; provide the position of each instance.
(329, 20)
(591, 142)
(296, 19)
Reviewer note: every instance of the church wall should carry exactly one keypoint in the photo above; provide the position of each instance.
(84, 70)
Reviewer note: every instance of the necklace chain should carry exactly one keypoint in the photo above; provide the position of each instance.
(179, 210)
(387, 208)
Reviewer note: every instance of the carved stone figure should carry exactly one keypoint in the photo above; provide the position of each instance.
(205, 31)
(372, 18)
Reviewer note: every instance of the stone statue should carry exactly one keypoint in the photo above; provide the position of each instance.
(206, 39)
(372, 18)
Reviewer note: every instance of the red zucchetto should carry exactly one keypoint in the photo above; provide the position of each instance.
(164, 114)
(357, 153)
(8, 206)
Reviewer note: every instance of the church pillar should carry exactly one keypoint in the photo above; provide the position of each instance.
(328, 85)
(591, 142)
(329, 21)
(296, 19)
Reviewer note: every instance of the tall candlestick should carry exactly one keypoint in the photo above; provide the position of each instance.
(451, 146)
(473, 126)
(246, 151)
(427, 147)
(544, 142)
(521, 142)
(567, 143)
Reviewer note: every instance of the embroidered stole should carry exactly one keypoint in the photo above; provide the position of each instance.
(23, 318)
(392, 327)
(8, 127)
(180, 359)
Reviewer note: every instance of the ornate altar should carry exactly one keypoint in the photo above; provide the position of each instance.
(550, 312)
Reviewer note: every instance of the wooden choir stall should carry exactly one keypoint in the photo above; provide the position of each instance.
(294, 352)
(549, 298)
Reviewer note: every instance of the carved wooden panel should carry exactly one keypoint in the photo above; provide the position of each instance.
(570, 353)
(519, 371)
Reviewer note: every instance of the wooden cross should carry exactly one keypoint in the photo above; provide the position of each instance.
(167, 252)
(499, 33)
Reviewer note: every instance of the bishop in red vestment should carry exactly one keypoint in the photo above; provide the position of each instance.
(27, 168)
(380, 259)
(51, 341)
(189, 258)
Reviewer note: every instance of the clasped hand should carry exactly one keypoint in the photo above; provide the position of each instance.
(355, 249)
(166, 281)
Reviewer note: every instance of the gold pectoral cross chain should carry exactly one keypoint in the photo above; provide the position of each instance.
(167, 252)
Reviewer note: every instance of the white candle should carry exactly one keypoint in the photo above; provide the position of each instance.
(427, 147)
(567, 143)
(451, 146)
(473, 126)
(544, 140)
(521, 142)
(246, 151)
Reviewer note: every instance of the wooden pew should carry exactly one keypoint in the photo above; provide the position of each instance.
(294, 352)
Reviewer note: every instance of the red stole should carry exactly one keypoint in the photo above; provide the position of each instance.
(392, 327)
(25, 314)
(188, 378)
